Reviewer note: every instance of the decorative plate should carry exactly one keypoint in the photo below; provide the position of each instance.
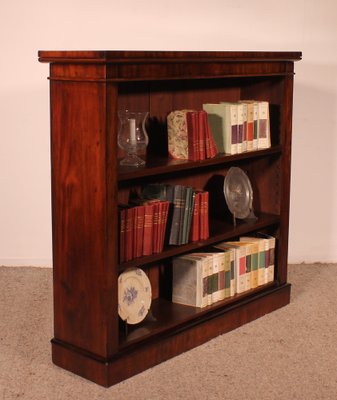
(238, 193)
(134, 295)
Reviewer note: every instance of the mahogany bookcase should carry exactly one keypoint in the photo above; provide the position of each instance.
(86, 90)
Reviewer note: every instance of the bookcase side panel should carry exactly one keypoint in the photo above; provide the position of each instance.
(83, 225)
(286, 118)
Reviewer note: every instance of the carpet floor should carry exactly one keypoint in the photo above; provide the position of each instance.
(288, 354)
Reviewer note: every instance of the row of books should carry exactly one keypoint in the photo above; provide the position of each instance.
(239, 127)
(165, 214)
(201, 279)
(189, 135)
(188, 218)
(142, 229)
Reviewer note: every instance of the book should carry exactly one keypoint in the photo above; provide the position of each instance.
(210, 145)
(248, 112)
(263, 125)
(228, 272)
(187, 207)
(218, 281)
(223, 124)
(204, 263)
(242, 252)
(195, 224)
(204, 215)
(187, 281)
(245, 126)
(271, 255)
(177, 200)
(177, 134)
(201, 137)
(148, 229)
(234, 265)
(263, 248)
(122, 226)
(193, 135)
(138, 234)
(242, 146)
(254, 264)
(189, 135)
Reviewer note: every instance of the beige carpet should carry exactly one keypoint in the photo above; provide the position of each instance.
(289, 354)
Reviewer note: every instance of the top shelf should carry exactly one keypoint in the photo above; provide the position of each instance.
(106, 56)
(127, 66)
(160, 166)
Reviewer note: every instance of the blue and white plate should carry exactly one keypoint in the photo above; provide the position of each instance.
(134, 295)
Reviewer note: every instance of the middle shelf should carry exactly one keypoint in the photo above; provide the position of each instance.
(219, 231)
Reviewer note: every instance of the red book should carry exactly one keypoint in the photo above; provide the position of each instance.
(148, 229)
(204, 223)
(134, 232)
(210, 145)
(194, 232)
(129, 234)
(206, 215)
(122, 223)
(202, 135)
(156, 223)
(192, 135)
(163, 222)
(139, 228)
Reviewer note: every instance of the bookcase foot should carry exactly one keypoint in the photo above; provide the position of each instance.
(134, 360)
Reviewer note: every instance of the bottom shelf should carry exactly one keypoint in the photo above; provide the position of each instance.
(193, 331)
(166, 317)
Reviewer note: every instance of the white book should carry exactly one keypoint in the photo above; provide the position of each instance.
(245, 127)
(207, 272)
(187, 285)
(263, 125)
(271, 256)
(218, 277)
(263, 247)
(239, 263)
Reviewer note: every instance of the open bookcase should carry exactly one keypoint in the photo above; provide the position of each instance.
(86, 90)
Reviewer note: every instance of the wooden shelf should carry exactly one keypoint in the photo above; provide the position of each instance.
(164, 166)
(167, 317)
(220, 231)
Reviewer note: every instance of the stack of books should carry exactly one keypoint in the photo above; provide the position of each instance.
(142, 229)
(241, 126)
(189, 135)
(188, 217)
(201, 279)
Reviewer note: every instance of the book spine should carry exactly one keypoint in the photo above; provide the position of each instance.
(148, 229)
(122, 219)
(239, 117)
(139, 231)
(255, 125)
(192, 136)
(245, 126)
(201, 136)
(194, 233)
(250, 126)
(263, 125)
(129, 228)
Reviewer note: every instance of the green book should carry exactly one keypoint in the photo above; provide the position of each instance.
(222, 119)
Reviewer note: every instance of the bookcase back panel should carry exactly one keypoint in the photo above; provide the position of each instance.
(264, 174)
(162, 97)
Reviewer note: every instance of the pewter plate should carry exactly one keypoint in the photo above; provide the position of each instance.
(238, 193)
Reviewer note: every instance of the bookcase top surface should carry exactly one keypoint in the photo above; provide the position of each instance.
(113, 56)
